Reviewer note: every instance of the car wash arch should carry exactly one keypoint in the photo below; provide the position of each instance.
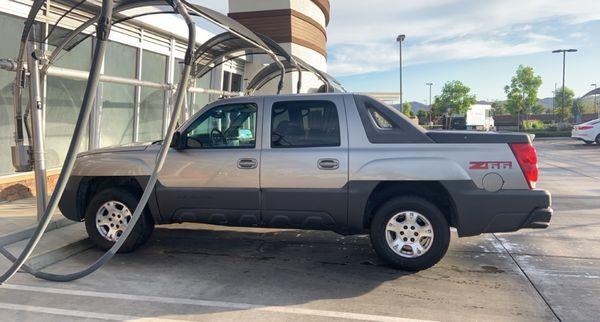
(35, 62)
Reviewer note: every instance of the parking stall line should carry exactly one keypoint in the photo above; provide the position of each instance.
(77, 314)
(210, 303)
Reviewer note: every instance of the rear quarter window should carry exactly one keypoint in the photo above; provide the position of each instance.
(383, 124)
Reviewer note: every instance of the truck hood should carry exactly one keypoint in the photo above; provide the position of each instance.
(478, 137)
(118, 148)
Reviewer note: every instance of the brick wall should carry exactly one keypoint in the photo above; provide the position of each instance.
(22, 186)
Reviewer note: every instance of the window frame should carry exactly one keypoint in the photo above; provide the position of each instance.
(188, 129)
(318, 101)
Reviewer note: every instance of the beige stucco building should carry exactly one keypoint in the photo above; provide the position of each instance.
(299, 26)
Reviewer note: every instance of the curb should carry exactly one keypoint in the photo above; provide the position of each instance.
(50, 256)
(25, 233)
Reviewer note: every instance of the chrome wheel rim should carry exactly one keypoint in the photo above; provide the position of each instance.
(409, 234)
(112, 219)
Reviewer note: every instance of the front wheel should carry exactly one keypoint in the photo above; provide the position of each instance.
(108, 215)
(410, 233)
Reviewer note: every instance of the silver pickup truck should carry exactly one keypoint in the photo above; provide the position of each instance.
(340, 162)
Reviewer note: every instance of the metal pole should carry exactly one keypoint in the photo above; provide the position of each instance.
(554, 101)
(596, 100)
(37, 120)
(400, 39)
(563, 87)
(400, 60)
(430, 103)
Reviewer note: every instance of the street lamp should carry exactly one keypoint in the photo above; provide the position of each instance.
(400, 39)
(596, 99)
(564, 52)
(430, 105)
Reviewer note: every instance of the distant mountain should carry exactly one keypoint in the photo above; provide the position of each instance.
(415, 106)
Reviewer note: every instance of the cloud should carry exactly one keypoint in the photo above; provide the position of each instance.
(362, 33)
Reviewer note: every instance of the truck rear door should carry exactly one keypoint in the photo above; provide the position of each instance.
(304, 162)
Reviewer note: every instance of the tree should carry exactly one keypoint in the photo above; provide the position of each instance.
(499, 108)
(407, 110)
(422, 114)
(522, 92)
(456, 98)
(563, 113)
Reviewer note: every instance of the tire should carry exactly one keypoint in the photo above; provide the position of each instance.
(588, 142)
(598, 139)
(118, 197)
(426, 213)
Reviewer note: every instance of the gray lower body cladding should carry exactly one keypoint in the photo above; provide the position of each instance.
(475, 211)
(79, 190)
(479, 211)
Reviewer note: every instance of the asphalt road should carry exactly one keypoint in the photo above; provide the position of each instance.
(198, 272)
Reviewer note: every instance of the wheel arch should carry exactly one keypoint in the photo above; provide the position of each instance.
(89, 186)
(433, 191)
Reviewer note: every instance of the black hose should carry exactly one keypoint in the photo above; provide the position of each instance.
(93, 80)
(84, 115)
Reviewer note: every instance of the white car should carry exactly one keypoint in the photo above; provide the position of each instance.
(588, 132)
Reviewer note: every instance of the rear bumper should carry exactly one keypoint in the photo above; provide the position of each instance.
(479, 211)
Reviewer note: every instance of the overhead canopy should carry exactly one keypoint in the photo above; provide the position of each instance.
(237, 42)
(271, 71)
(592, 92)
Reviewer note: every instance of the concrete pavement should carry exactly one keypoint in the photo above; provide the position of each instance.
(200, 272)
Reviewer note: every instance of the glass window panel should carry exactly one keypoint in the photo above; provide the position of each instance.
(116, 122)
(236, 83)
(79, 57)
(64, 98)
(226, 77)
(154, 68)
(304, 124)
(199, 100)
(229, 126)
(10, 31)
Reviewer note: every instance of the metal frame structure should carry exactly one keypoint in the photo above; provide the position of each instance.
(40, 66)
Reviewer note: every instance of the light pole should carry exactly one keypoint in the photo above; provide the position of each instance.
(430, 105)
(564, 52)
(400, 39)
(554, 101)
(596, 100)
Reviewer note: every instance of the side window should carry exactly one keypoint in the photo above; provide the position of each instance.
(229, 126)
(381, 121)
(301, 124)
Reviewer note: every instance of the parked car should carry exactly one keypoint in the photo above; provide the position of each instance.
(340, 162)
(588, 132)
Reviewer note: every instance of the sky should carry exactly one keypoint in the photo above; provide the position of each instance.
(480, 43)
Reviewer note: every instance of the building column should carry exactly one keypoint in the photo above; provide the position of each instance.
(299, 26)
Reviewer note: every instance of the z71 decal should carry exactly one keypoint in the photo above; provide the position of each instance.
(487, 165)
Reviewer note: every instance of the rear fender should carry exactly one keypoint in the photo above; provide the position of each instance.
(411, 169)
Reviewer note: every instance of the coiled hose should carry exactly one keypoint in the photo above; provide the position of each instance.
(103, 31)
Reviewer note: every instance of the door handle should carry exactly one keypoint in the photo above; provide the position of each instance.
(328, 164)
(247, 163)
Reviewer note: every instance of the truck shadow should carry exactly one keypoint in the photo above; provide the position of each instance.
(288, 268)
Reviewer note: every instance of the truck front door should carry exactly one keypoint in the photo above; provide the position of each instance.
(215, 179)
(304, 162)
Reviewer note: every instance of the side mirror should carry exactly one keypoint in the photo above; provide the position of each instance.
(178, 142)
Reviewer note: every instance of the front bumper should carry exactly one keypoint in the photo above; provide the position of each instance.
(479, 211)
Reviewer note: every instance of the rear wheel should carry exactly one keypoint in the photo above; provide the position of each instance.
(108, 215)
(598, 139)
(590, 142)
(410, 233)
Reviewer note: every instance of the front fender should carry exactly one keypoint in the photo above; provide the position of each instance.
(112, 164)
